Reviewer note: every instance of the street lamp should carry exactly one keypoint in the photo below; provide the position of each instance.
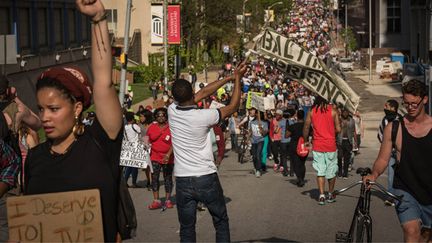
(268, 11)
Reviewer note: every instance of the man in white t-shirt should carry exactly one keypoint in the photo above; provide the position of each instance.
(195, 169)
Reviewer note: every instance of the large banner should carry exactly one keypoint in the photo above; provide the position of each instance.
(309, 70)
(174, 24)
(157, 29)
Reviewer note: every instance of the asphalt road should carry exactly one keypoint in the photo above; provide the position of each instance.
(272, 208)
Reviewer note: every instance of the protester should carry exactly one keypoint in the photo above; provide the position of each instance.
(391, 113)
(161, 157)
(258, 130)
(233, 122)
(72, 154)
(144, 121)
(325, 123)
(412, 179)
(295, 131)
(132, 133)
(195, 170)
(345, 141)
(9, 169)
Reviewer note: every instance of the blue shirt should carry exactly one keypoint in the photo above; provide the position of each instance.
(256, 135)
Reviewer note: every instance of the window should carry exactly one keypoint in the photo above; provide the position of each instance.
(394, 16)
(4, 21)
(112, 20)
(72, 25)
(24, 28)
(42, 27)
(58, 26)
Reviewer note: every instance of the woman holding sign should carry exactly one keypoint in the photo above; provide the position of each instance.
(75, 157)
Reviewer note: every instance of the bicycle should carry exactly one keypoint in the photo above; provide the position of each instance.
(361, 223)
(243, 146)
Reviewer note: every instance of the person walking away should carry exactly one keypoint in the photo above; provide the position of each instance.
(258, 130)
(75, 157)
(413, 169)
(295, 131)
(345, 141)
(195, 170)
(159, 136)
(132, 134)
(275, 135)
(391, 113)
(234, 130)
(325, 123)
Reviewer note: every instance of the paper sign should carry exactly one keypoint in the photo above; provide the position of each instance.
(216, 105)
(249, 99)
(258, 102)
(135, 154)
(56, 217)
(268, 104)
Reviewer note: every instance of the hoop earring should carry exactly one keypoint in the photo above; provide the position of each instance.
(78, 128)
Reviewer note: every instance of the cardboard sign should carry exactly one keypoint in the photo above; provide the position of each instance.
(56, 217)
(258, 102)
(249, 99)
(216, 105)
(135, 154)
(301, 65)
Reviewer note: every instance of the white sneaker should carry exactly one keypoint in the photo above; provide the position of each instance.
(257, 174)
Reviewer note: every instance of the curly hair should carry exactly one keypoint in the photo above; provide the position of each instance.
(415, 87)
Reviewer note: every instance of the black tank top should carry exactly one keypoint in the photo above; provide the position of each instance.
(414, 172)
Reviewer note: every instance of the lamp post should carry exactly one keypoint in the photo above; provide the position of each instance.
(370, 41)
(268, 11)
(346, 28)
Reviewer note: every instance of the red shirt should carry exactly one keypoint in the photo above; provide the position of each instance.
(160, 139)
(324, 136)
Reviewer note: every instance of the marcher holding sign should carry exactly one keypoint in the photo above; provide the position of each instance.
(162, 157)
(75, 157)
(132, 133)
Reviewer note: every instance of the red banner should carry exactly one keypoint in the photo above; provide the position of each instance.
(174, 24)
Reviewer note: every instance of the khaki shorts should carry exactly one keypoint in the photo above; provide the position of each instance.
(325, 163)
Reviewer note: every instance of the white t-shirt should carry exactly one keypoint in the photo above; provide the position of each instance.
(190, 131)
(132, 134)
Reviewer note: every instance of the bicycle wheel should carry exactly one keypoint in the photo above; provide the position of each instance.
(361, 229)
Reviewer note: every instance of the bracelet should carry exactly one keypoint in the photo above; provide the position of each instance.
(102, 18)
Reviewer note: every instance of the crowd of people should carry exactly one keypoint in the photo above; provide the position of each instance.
(308, 24)
(188, 131)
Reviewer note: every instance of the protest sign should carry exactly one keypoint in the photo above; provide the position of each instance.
(249, 99)
(56, 217)
(257, 102)
(300, 65)
(268, 104)
(135, 154)
(216, 105)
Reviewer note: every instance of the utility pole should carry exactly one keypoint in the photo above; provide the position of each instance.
(370, 41)
(123, 58)
(165, 43)
(346, 28)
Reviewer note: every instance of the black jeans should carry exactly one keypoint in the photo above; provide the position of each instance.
(276, 151)
(257, 155)
(298, 164)
(206, 189)
(284, 157)
(344, 157)
(167, 170)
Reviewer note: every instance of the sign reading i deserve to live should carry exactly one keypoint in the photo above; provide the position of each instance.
(56, 217)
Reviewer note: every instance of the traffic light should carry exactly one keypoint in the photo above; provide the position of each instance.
(116, 51)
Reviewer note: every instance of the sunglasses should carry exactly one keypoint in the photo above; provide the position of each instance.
(161, 115)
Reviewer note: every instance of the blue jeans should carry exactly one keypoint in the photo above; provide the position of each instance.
(206, 189)
(257, 149)
(131, 171)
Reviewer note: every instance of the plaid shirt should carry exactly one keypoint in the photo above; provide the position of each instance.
(9, 165)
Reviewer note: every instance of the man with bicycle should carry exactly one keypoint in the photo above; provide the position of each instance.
(412, 179)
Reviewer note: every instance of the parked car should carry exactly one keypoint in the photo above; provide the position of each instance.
(346, 64)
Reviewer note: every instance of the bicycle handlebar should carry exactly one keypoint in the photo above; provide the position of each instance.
(372, 183)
